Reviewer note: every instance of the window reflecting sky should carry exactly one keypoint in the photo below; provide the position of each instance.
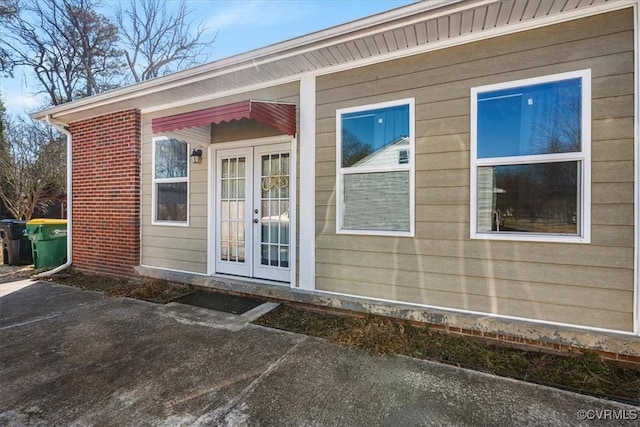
(537, 119)
(367, 132)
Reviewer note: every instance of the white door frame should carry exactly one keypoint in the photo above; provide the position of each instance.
(212, 197)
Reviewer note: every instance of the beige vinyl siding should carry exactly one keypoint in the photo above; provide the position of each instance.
(176, 247)
(185, 248)
(583, 284)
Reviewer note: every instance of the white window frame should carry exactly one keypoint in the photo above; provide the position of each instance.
(155, 181)
(340, 171)
(583, 158)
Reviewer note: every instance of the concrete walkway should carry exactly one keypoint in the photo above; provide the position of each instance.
(7, 288)
(73, 357)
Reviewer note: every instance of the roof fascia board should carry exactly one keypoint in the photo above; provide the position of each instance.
(226, 93)
(487, 34)
(180, 79)
(247, 59)
(355, 35)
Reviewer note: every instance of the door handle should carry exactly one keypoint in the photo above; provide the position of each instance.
(256, 220)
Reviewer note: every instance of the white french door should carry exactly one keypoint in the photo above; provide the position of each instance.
(252, 212)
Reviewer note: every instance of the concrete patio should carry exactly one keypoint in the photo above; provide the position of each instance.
(74, 357)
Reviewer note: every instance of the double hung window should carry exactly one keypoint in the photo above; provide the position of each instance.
(375, 169)
(170, 181)
(530, 150)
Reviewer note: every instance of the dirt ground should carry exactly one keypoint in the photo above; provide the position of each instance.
(14, 272)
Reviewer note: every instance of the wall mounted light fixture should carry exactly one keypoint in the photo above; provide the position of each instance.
(196, 155)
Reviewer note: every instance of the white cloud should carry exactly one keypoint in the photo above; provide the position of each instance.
(22, 102)
(17, 99)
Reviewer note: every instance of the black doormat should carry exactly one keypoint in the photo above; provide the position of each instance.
(222, 302)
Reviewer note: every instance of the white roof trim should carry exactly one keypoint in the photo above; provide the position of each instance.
(243, 60)
(333, 38)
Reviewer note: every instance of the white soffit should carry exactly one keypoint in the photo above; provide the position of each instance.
(410, 29)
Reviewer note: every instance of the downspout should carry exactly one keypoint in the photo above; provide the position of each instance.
(69, 198)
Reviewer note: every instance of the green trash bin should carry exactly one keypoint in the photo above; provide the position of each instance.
(48, 241)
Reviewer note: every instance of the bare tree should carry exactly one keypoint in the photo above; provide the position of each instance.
(68, 45)
(32, 166)
(3, 210)
(159, 41)
(8, 12)
(94, 38)
(353, 149)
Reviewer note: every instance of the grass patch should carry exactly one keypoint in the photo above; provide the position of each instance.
(154, 290)
(582, 372)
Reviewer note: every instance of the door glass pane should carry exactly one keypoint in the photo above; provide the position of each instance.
(233, 168)
(284, 235)
(241, 191)
(224, 251)
(241, 166)
(284, 221)
(233, 231)
(224, 188)
(241, 208)
(284, 256)
(224, 210)
(224, 230)
(225, 168)
(284, 185)
(233, 188)
(241, 237)
(241, 252)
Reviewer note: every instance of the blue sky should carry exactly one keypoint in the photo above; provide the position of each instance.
(242, 25)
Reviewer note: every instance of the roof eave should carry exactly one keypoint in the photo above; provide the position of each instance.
(247, 58)
(173, 90)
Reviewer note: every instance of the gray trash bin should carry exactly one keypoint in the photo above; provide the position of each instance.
(16, 246)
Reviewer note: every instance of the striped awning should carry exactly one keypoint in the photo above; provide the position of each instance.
(277, 115)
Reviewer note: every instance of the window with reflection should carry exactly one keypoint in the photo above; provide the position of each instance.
(170, 180)
(375, 168)
(530, 158)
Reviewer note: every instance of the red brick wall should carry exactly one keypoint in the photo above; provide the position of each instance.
(106, 193)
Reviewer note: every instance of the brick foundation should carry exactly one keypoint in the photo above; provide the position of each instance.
(106, 193)
(510, 333)
(496, 339)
